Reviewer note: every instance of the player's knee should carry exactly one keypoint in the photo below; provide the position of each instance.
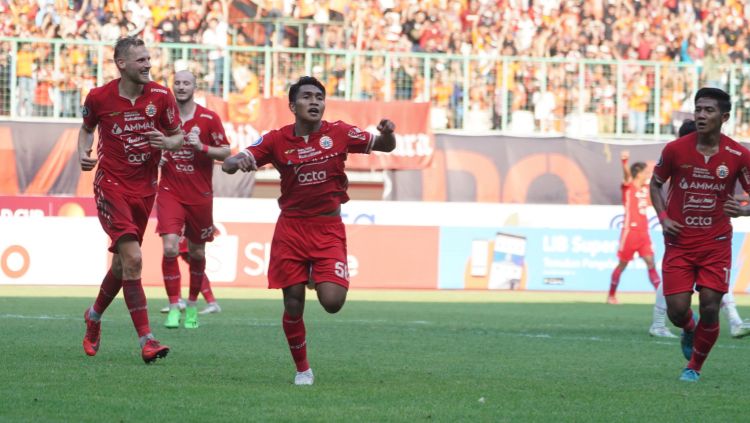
(171, 251)
(132, 262)
(709, 312)
(294, 306)
(333, 306)
(199, 254)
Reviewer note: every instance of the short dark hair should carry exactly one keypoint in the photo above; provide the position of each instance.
(637, 168)
(687, 127)
(123, 44)
(305, 80)
(722, 98)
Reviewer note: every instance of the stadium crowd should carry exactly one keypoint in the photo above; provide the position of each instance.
(687, 36)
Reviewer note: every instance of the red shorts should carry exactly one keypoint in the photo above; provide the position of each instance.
(632, 241)
(683, 268)
(173, 216)
(121, 214)
(308, 248)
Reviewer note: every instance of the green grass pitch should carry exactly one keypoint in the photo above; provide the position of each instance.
(376, 361)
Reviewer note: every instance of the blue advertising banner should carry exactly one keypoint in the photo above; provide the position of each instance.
(544, 259)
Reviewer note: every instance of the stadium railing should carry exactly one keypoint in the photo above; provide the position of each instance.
(49, 78)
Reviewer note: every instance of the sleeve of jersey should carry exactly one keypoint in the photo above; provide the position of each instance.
(88, 112)
(357, 140)
(745, 172)
(663, 167)
(261, 150)
(170, 118)
(218, 136)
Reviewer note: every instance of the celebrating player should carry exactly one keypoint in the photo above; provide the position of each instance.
(186, 197)
(133, 115)
(635, 238)
(737, 327)
(309, 242)
(703, 168)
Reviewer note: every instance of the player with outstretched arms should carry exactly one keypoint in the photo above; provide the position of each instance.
(136, 120)
(309, 242)
(185, 199)
(635, 238)
(702, 169)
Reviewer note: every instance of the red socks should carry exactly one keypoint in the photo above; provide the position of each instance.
(135, 299)
(653, 276)
(689, 323)
(705, 338)
(294, 329)
(107, 292)
(170, 270)
(206, 290)
(615, 281)
(197, 273)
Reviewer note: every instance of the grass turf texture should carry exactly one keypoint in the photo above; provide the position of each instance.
(374, 361)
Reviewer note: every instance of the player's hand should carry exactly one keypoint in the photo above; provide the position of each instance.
(247, 163)
(87, 163)
(193, 140)
(671, 227)
(156, 139)
(625, 155)
(386, 126)
(732, 207)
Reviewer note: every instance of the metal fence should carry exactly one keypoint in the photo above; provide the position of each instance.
(623, 99)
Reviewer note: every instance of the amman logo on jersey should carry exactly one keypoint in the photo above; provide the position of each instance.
(116, 130)
(84, 111)
(150, 110)
(326, 142)
(722, 171)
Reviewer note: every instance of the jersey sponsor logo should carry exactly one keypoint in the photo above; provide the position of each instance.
(184, 154)
(746, 175)
(699, 221)
(705, 186)
(185, 168)
(133, 140)
(701, 173)
(257, 142)
(733, 151)
(85, 111)
(196, 130)
(114, 114)
(290, 151)
(116, 130)
(312, 177)
(158, 90)
(140, 126)
(206, 115)
(138, 157)
(660, 161)
(150, 110)
(698, 201)
(217, 137)
(133, 117)
(357, 134)
(722, 171)
(326, 142)
(307, 152)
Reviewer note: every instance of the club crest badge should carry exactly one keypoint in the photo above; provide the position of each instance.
(722, 171)
(326, 142)
(150, 110)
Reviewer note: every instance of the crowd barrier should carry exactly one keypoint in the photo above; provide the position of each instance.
(403, 245)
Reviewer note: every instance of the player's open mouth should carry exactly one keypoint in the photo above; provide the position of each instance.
(313, 111)
(700, 125)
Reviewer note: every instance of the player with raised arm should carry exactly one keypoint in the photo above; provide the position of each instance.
(737, 327)
(309, 242)
(185, 200)
(136, 120)
(635, 238)
(703, 169)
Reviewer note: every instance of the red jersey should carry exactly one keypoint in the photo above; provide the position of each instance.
(187, 173)
(127, 162)
(699, 188)
(635, 201)
(313, 181)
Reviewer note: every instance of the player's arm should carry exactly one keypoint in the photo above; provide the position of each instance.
(626, 176)
(217, 153)
(386, 141)
(244, 161)
(733, 207)
(656, 190)
(172, 141)
(85, 143)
